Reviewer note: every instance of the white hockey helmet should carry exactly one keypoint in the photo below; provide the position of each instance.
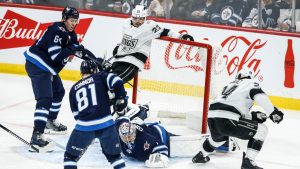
(139, 12)
(245, 73)
(127, 132)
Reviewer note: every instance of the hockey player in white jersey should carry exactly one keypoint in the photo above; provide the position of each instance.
(131, 54)
(229, 115)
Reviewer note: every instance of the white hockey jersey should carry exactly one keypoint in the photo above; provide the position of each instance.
(237, 99)
(138, 40)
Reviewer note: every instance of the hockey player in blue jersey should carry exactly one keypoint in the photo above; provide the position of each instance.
(147, 142)
(44, 60)
(151, 142)
(90, 104)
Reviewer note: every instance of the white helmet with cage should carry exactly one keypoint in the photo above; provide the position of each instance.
(127, 132)
(245, 73)
(139, 12)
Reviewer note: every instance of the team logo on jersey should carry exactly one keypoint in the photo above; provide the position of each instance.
(128, 151)
(62, 29)
(19, 31)
(128, 42)
(226, 13)
(146, 146)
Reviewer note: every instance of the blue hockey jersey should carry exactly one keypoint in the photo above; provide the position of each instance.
(90, 102)
(150, 138)
(50, 52)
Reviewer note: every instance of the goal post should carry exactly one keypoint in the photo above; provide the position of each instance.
(177, 77)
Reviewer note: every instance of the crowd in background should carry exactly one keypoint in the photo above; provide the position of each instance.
(280, 15)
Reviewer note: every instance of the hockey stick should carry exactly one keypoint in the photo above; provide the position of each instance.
(59, 145)
(26, 142)
(19, 138)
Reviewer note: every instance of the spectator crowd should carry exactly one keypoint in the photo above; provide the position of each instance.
(275, 14)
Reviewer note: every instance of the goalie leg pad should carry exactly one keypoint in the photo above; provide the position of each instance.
(185, 146)
(157, 160)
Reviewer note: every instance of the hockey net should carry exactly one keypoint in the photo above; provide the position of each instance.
(180, 77)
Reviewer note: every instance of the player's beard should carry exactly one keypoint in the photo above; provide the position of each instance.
(138, 24)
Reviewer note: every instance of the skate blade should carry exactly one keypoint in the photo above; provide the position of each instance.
(46, 149)
(52, 132)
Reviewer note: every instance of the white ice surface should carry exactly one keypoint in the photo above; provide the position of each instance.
(281, 149)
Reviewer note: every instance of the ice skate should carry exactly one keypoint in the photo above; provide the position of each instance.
(200, 158)
(40, 143)
(54, 127)
(248, 164)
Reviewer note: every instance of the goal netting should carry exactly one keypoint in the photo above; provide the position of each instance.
(180, 78)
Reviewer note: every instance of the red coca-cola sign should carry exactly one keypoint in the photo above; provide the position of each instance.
(248, 49)
(237, 52)
(18, 31)
(183, 53)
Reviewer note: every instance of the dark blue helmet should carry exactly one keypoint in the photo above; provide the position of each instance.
(88, 67)
(70, 12)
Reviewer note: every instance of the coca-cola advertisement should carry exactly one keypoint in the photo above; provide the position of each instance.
(274, 57)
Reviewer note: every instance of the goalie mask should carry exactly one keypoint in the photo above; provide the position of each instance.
(138, 15)
(127, 132)
(245, 73)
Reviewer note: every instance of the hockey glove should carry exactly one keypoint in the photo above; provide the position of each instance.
(99, 62)
(258, 116)
(276, 116)
(187, 37)
(120, 106)
(157, 160)
(115, 51)
(103, 65)
(77, 50)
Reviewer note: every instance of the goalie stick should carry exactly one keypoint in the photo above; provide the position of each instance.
(26, 142)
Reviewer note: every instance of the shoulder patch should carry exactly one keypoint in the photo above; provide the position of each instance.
(62, 29)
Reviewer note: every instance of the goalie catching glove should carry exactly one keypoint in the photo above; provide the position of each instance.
(120, 106)
(157, 160)
(258, 116)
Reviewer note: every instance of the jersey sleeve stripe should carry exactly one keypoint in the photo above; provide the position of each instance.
(109, 76)
(222, 106)
(75, 113)
(54, 55)
(256, 91)
(162, 133)
(54, 48)
(35, 59)
(112, 79)
(160, 148)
